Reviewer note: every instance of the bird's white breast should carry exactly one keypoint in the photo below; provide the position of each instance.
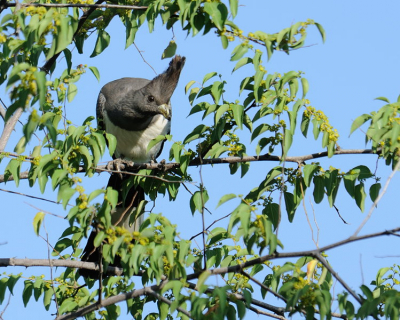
(133, 144)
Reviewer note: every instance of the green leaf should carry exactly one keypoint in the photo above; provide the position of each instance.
(360, 195)
(234, 5)
(319, 189)
(12, 280)
(13, 168)
(187, 87)
(112, 196)
(305, 122)
(238, 112)
(196, 133)
(198, 201)
(155, 141)
(170, 50)
(3, 287)
(27, 292)
(224, 41)
(359, 122)
(305, 86)
(72, 91)
(87, 158)
(218, 13)
(288, 139)
(321, 31)
(384, 99)
(217, 90)
(103, 40)
(242, 62)
(208, 76)
(95, 72)
(374, 191)
(48, 295)
(112, 143)
(68, 59)
(308, 171)
(272, 212)
(290, 205)
(99, 238)
(226, 198)
(68, 305)
(239, 52)
(37, 222)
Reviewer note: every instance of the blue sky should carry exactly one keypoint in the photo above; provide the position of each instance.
(358, 62)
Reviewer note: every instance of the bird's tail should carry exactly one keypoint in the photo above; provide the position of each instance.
(121, 216)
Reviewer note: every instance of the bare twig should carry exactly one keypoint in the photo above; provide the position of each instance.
(215, 221)
(144, 60)
(336, 275)
(5, 307)
(29, 196)
(51, 267)
(396, 168)
(276, 294)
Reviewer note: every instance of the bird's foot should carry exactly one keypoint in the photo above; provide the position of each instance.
(118, 165)
(162, 165)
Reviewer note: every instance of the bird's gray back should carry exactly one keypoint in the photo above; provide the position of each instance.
(113, 92)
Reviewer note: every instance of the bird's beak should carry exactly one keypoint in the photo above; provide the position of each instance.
(165, 110)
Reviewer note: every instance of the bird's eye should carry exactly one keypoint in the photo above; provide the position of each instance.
(150, 99)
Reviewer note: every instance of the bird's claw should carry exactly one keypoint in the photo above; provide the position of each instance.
(117, 165)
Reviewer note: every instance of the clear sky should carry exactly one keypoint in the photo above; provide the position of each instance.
(358, 62)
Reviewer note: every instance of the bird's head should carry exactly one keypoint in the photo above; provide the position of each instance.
(158, 92)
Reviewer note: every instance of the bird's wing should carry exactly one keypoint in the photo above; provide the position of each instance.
(113, 92)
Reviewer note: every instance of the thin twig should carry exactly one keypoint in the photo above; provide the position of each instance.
(51, 267)
(215, 221)
(167, 301)
(29, 196)
(6, 306)
(144, 60)
(396, 168)
(276, 294)
(44, 211)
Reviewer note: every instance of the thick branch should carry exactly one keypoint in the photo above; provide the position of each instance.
(312, 253)
(78, 5)
(110, 301)
(196, 162)
(49, 63)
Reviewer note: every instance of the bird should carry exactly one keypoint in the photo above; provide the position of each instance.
(135, 111)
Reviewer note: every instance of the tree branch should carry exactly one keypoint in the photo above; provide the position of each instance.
(49, 63)
(375, 204)
(9, 127)
(78, 5)
(277, 255)
(110, 301)
(196, 162)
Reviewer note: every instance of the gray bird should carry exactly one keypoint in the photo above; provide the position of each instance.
(135, 111)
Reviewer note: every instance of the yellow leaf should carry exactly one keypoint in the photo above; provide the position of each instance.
(310, 269)
(37, 222)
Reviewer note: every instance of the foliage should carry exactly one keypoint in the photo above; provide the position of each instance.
(268, 109)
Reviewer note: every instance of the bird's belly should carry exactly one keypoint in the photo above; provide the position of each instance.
(132, 145)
